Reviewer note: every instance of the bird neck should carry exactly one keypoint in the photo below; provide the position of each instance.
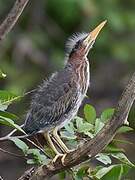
(81, 72)
(75, 61)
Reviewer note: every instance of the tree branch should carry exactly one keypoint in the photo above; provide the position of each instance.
(12, 17)
(90, 148)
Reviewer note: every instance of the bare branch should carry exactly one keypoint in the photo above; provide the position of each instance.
(12, 17)
(12, 154)
(90, 148)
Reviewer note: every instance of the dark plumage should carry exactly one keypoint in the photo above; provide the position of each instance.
(58, 99)
(53, 101)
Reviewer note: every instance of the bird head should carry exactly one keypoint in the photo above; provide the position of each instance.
(80, 44)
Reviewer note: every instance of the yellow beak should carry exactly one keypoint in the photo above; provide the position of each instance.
(93, 34)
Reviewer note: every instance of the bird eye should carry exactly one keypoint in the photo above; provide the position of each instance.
(77, 45)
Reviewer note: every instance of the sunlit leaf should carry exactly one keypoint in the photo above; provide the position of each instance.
(31, 161)
(9, 122)
(3, 107)
(38, 157)
(2, 75)
(85, 127)
(122, 157)
(8, 115)
(79, 122)
(70, 127)
(104, 158)
(90, 113)
(68, 135)
(107, 114)
(112, 172)
(20, 144)
(121, 141)
(98, 125)
(89, 134)
(7, 98)
(124, 129)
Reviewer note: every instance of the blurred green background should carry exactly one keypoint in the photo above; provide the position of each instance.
(36, 48)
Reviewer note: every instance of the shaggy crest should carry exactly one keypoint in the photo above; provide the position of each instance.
(73, 40)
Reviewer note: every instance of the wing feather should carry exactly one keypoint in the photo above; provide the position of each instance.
(53, 100)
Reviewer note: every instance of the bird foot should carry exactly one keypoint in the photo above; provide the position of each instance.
(56, 157)
(62, 156)
(63, 159)
(69, 150)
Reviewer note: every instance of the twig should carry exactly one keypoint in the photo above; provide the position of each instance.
(12, 154)
(34, 144)
(28, 174)
(1, 178)
(8, 136)
(12, 18)
(94, 146)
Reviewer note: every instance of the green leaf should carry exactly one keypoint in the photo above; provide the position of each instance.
(38, 157)
(70, 127)
(98, 125)
(90, 113)
(20, 144)
(9, 122)
(79, 122)
(112, 172)
(31, 161)
(2, 75)
(122, 157)
(35, 152)
(3, 107)
(104, 158)
(89, 134)
(103, 171)
(7, 98)
(85, 127)
(107, 114)
(124, 129)
(122, 141)
(67, 135)
(112, 149)
(8, 115)
(81, 173)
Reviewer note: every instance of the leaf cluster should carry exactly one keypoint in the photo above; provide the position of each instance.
(74, 133)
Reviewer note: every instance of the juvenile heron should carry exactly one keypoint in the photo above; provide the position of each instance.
(57, 100)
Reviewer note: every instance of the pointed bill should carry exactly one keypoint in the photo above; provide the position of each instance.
(93, 34)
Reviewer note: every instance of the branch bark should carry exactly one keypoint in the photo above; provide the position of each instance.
(90, 148)
(12, 17)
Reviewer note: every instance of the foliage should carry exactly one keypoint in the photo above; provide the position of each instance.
(2, 75)
(28, 53)
(34, 50)
(85, 128)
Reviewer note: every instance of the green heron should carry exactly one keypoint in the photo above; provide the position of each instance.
(57, 100)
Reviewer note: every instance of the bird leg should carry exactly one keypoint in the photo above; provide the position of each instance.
(60, 142)
(50, 142)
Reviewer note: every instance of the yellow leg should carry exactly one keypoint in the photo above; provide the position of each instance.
(59, 141)
(50, 142)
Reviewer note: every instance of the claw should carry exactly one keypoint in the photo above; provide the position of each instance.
(56, 157)
(63, 159)
(62, 156)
